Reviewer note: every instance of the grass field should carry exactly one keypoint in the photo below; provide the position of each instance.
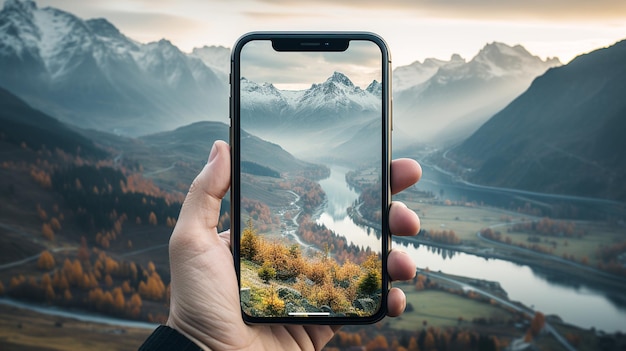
(598, 234)
(468, 219)
(465, 221)
(442, 309)
(24, 330)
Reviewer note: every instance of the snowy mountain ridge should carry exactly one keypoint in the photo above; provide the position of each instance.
(448, 100)
(87, 73)
(337, 95)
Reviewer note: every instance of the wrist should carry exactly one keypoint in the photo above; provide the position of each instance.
(167, 338)
(189, 336)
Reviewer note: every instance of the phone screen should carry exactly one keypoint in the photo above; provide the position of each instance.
(310, 177)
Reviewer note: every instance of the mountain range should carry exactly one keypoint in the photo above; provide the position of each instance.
(327, 114)
(88, 74)
(440, 102)
(563, 135)
(559, 134)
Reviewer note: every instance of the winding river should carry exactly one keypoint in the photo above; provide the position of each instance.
(575, 303)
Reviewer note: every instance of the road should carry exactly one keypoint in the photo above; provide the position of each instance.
(458, 179)
(29, 258)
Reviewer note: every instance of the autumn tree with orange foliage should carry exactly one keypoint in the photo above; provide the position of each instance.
(41, 177)
(536, 325)
(379, 342)
(46, 230)
(448, 237)
(152, 219)
(83, 251)
(134, 305)
(45, 261)
(153, 288)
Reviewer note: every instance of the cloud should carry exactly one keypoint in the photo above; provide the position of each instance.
(261, 64)
(580, 10)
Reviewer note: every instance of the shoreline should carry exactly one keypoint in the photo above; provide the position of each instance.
(79, 315)
(614, 284)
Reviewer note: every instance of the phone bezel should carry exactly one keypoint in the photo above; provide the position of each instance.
(336, 39)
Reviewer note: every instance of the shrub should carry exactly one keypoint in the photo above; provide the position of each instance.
(370, 282)
(249, 242)
(272, 304)
(267, 272)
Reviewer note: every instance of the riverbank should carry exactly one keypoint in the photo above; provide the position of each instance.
(27, 330)
(553, 270)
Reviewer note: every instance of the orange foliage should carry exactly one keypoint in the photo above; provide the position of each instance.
(55, 224)
(153, 288)
(444, 237)
(46, 261)
(41, 213)
(41, 177)
(539, 320)
(47, 231)
(134, 305)
(83, 250)
(379, 342)
(260, 213)
(152, 218)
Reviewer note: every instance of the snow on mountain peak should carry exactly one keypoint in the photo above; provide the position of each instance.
(375, 88)
(416, 73)
(336, 94)
(341, 78)
(500, 59)
(216, 57)
(102, 27)
(24, 6)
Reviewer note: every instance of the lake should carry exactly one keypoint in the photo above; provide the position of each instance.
(576, 304)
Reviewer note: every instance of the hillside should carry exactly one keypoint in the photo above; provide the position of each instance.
(449, 100)
(89, 74)
(563, 135)
(20, 123)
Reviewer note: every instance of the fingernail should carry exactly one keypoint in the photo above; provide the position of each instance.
(213, 153)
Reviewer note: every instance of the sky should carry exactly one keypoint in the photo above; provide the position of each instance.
(413, 29)
(361, 62)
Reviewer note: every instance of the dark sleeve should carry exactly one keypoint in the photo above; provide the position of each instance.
(165, 338)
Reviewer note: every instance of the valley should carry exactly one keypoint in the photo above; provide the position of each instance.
(521, 200)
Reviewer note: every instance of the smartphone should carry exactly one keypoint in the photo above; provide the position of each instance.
(310, 194)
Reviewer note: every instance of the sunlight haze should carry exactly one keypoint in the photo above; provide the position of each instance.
(414, 30)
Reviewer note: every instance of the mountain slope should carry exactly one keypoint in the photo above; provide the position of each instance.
(460, 96)
(563, 135)
(192, 143)
(20, 123)
(87, 73)
(310, 123)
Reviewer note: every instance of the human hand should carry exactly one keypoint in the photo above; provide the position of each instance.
(204, 304)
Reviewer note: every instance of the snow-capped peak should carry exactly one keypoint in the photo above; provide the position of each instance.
(216, 57)
(500, 59)
(341, 79)
(416, 73)
(334, 97)
(24, 6)
(375, 88)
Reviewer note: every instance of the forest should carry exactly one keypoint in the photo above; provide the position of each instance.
(283, 280)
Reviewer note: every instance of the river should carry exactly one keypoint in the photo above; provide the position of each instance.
(575, 303)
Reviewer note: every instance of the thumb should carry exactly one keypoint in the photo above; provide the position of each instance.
(199, 215)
